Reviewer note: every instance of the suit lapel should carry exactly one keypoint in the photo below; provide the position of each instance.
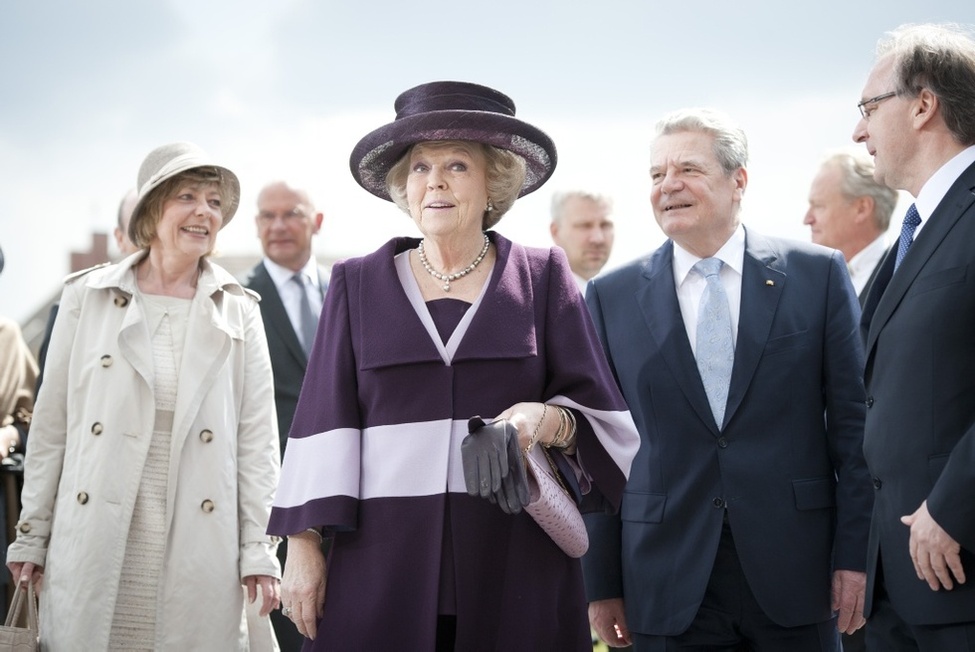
(762, 282)
(657, 299)
(957, 200)
(274, 314)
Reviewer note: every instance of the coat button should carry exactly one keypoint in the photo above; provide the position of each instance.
(206, 436)
(82, 497)
(121, 301)
(877, 484)
(722, 442)
(869, 401)
(96, 428)
(106, 360)
(207, 506)
(24, 527)
(718, 502)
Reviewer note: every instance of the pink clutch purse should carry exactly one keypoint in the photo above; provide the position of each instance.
(551, 504)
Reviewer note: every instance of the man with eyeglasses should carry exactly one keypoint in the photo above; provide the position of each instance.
(918, 122)
(292, 287)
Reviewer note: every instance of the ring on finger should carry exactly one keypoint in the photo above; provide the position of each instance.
(286, 612)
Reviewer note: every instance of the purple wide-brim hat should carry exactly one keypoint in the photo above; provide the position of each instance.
(449, 110)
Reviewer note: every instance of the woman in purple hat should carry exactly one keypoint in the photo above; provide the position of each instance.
(414, 340)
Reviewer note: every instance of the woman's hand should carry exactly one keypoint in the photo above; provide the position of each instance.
(9, 440)
(528, 419)
(303, 586)
(270, 590)
(23, 572)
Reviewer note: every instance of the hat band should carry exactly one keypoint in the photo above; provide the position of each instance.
(454, 102)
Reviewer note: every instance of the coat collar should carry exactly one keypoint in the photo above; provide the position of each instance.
(121, 276)
(212, 325)
(506, 309)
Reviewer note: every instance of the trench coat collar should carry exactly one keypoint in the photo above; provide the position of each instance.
(210, 331)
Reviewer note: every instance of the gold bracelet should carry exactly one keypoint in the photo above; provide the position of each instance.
(560, 433)
(537, 431)
(565, 436)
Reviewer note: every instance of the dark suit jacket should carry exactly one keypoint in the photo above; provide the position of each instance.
(919, 439)
(794, 485)
(862, 297)
(288, 359)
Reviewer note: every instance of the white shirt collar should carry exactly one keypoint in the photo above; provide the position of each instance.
(731, 253)
(934, 189)
(282, 275)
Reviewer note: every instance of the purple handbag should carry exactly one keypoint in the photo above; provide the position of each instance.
(552, 506)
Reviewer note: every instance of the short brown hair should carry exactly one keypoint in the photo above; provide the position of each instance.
(143, 230)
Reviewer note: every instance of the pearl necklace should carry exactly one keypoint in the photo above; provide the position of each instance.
(447, 278)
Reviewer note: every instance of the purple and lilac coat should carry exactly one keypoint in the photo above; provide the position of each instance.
(374, 454)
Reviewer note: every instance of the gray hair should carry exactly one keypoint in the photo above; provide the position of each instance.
(856, 180)
(560, 199)
(941, 58)
(730, 143)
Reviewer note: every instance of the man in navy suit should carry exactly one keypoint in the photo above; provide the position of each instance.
(918, 122)
(744, 521)
(286, 223)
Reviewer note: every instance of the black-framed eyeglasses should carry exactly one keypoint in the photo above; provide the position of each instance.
(864, 111)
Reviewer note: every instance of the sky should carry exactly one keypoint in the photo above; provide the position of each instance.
(284, 90)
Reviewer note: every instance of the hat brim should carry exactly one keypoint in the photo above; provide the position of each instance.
(179, 167)
(378, 151)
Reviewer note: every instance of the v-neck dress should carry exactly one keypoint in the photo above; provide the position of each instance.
(374, 454)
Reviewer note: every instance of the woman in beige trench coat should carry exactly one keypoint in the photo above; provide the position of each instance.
(153, 456)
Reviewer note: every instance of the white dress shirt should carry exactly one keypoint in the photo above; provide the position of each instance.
(289, 291)
(861, 266)
(935, 188)
(690, 285)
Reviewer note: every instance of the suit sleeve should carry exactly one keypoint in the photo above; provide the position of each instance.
(951, 501)
(845, 413)
(602, 565)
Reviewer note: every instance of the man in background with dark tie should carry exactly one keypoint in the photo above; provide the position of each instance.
(918, 121)
(292, 287)
(850, 211)
(745, 517)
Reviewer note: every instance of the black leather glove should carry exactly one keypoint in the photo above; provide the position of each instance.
(493, 468)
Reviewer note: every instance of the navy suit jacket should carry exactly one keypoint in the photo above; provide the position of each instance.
(919, 437)
(794, 484)
(288, 359)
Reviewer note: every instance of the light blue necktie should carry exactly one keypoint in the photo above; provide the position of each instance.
(309, 322)
(715, 346)
(911, 220)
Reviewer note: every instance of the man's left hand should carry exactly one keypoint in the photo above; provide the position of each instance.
(935, 554)
(849, 588)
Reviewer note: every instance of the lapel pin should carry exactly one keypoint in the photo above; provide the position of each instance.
(769, 282)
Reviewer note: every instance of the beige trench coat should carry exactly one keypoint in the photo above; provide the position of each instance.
(89, 441)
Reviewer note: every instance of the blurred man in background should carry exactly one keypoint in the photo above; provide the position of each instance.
(581, 225)
(850, 211)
